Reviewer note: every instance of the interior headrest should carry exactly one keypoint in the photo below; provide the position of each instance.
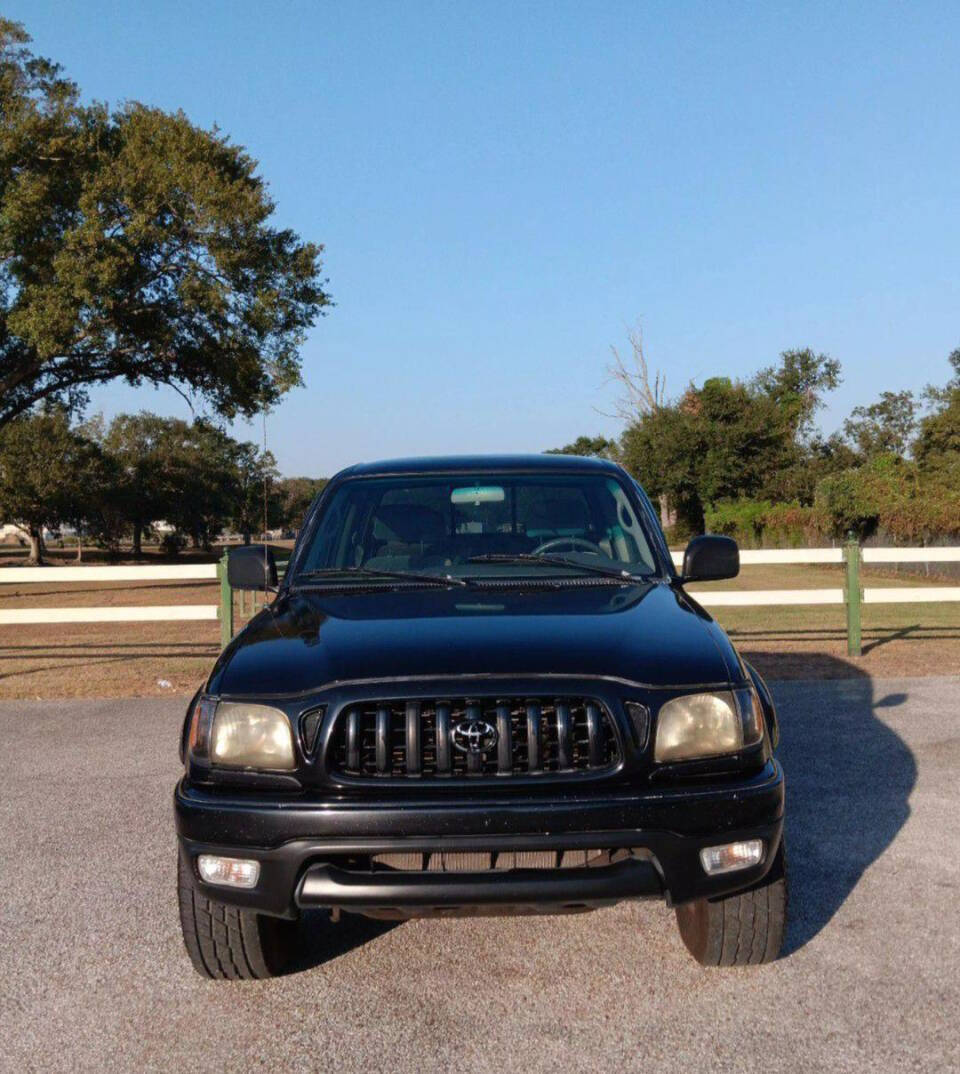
(407, 522)
(562, 512)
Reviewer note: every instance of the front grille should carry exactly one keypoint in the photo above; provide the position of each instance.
(483, 861)
(466, 737)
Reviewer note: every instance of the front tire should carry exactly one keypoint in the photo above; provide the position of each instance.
(745, 929)
(227, 942)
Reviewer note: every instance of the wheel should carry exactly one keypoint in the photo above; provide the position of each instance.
(573, 543)
(227, 942)
(745, 929)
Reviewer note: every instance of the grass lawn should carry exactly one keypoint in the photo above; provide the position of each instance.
(129, 659)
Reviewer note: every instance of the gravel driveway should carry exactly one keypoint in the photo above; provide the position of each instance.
(93, 975)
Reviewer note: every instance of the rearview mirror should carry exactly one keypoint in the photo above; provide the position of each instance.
(711, 557)
(252, 567)
(478, 494)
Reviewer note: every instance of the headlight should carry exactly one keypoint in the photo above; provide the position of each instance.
(707, 725)
(238, 733)
(253, 735)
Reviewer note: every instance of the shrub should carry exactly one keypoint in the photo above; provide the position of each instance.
(894, 495)
(795, 525)
(743, 519)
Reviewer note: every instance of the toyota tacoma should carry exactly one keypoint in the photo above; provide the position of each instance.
(480, 687)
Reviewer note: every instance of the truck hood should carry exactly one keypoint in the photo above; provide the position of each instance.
(649, 633)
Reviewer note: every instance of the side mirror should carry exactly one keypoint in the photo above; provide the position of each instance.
(252, 567)
(710, 557)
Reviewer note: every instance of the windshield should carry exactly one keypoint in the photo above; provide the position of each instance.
(469, 526)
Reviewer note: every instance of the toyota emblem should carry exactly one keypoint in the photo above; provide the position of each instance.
(474, 736)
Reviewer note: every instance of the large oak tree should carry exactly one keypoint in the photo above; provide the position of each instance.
(134, 244)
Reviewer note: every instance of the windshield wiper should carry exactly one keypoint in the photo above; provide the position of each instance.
(373, 573)
(558, 561)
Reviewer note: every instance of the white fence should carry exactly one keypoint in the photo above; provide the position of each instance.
(709, 598)
(144, 613)
(752, 557)
(160, 572)
(712, 598)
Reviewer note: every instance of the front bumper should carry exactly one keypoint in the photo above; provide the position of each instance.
(312, 852)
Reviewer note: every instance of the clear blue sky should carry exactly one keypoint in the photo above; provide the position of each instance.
(503, 188)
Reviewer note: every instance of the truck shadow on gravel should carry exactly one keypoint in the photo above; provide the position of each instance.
(320, 940)
(849, 778)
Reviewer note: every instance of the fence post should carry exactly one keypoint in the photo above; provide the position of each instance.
(226, 602)
(853, 595)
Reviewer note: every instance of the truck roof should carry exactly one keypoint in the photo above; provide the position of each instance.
(465, 463)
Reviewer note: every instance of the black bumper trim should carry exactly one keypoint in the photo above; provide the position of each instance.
(327, 885)
(262, 821)
(673, 860)
(666, 829)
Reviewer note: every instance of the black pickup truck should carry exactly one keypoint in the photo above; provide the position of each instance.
(480, 688)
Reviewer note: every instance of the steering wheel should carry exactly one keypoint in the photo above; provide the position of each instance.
(570, 542)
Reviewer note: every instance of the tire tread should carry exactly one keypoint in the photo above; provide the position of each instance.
(744, 929)
(227, 943)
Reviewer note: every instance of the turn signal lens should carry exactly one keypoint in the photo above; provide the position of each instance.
(731, 856)
(201, 720)
(751, 714)
(228, 872)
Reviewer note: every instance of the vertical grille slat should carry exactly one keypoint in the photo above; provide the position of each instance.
(534, 737)
(564, 741)
(504, 740)
(383, 740)
(353, 740)
(474, 760)
(595, 735)
(473, 738)
(443, 738)
(413, 757)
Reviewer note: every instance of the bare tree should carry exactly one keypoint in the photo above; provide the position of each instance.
(637, 397)
(631, 374)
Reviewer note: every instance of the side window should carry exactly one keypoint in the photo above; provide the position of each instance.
(626, 534)
(337, 534)
(653, 522)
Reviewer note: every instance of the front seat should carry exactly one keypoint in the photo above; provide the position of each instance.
(406, 535)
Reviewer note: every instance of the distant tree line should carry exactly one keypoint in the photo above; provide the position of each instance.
(745, 457)
(115, 482)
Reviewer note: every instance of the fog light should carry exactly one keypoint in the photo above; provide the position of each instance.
(228, 872)
(731, 856)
